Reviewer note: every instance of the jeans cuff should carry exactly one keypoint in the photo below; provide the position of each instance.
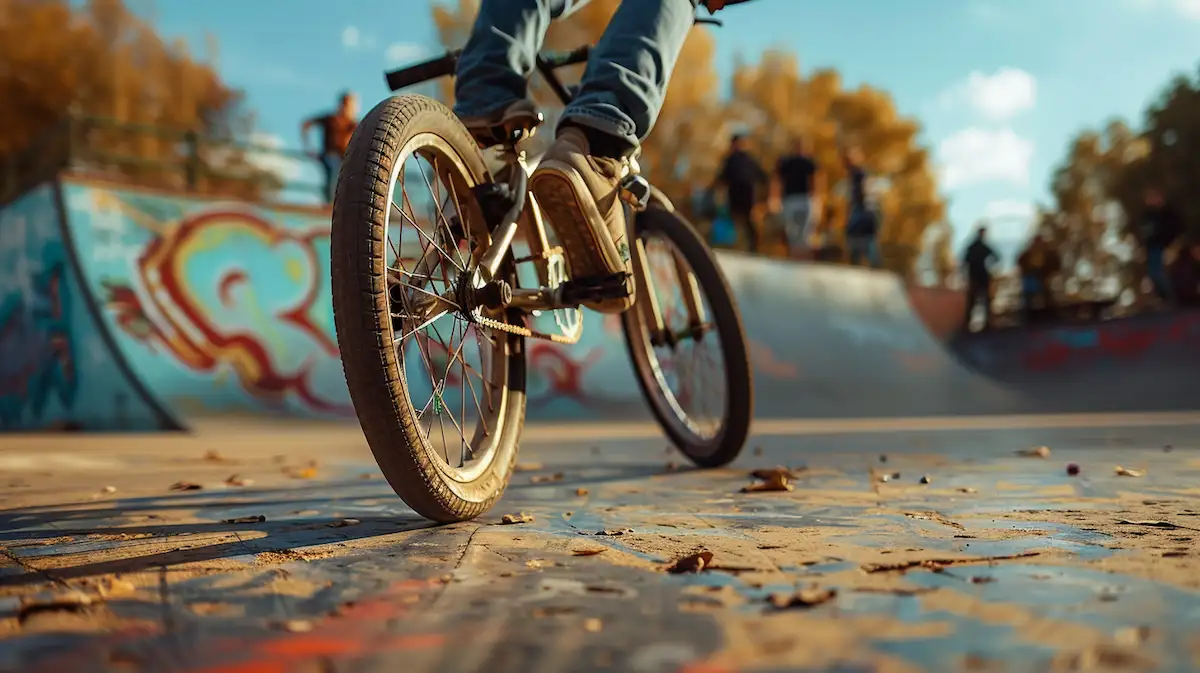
(603, 123)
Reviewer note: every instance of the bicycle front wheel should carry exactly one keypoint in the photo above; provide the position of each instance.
(439, 394)
(686, 341)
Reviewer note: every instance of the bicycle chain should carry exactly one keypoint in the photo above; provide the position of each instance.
(502, 326)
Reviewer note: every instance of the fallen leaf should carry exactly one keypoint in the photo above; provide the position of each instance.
(528, 467)
(1036, 452)
(934, 516)
(581, 492)
(258, 518)
(804, 598)
(535, 563)
(1126, 472)
(1154, 524)
(773, 472)
(589, 551)
(936, 564)
(516, 518)
(73, 601)
(309, 472)
(345, 522)
(692, 563)
(114, 586)
(237, 480)
(546, 478)
(982, 579)
(214, 456)
(108, 490)
(777, 481)
(185, 486)
(967, 489)
(296, 626)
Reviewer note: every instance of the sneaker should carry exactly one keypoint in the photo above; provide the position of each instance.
(495, 128)
(581, 197)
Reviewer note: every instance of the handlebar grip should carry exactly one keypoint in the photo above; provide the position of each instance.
(423, 72)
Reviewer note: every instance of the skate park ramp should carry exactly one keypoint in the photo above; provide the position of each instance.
(168, 309)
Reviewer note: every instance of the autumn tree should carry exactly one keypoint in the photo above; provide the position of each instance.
(683, 153)
(95, 82)
(780, 103)
(1097, 192)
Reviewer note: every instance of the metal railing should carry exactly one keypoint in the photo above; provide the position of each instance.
(160, 156)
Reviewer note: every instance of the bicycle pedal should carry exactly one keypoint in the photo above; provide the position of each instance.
(635, 191)
(597, 288)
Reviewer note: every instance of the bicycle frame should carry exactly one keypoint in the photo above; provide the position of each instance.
(636, 195)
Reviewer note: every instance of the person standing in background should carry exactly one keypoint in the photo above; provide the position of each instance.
(799, 182)
(336, 129)
(978, 260)
(1160, 226)
(742, 177)
(1038, 264)
(862, 225)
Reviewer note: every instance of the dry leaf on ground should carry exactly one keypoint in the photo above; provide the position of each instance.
(804, 598)
(692, 563)
(516, 518)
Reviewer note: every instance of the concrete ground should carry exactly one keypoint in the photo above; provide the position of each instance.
(1001, 562)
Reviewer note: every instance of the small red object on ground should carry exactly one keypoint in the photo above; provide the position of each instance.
(1072, 469)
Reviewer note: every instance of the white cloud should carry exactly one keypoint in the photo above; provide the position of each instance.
(1188, 8)
(286, 168)
(1008, 209)
(351, 38)
(975, 155)
(996, 97)
(402, 53)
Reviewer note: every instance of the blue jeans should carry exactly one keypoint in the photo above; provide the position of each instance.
(1156, 269)
(626, 79)
(331, 163)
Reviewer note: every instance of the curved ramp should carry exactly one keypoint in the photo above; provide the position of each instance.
(222, 308)
(59, 367)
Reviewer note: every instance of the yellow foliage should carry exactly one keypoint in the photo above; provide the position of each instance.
(65, 61)
(778, 102)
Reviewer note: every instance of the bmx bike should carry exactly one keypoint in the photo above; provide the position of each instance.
(449, 454)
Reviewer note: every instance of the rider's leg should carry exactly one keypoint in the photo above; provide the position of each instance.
(495, 65)
(619, 100)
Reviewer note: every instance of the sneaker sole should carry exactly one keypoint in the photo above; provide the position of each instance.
(589, 253)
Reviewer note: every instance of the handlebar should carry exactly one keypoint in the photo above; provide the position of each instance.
(445, 65)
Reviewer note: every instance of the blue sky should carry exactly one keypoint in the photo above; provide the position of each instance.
(999, 85)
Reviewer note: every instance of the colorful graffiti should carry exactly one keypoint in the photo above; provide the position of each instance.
(1063, 347)
(171, 314)
(57, 368)
(37, 355)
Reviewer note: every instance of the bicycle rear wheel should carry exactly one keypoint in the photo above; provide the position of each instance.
(694, 315)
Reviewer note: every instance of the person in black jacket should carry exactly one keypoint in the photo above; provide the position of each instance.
(1160, 226)
(977, 261)
(744, 180)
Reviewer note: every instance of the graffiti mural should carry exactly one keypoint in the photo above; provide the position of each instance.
(37, 354)
(57, 370)
(221, 306)
(1124, 340)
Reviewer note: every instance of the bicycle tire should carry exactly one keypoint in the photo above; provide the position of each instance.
(725, 446)
(362, 315)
